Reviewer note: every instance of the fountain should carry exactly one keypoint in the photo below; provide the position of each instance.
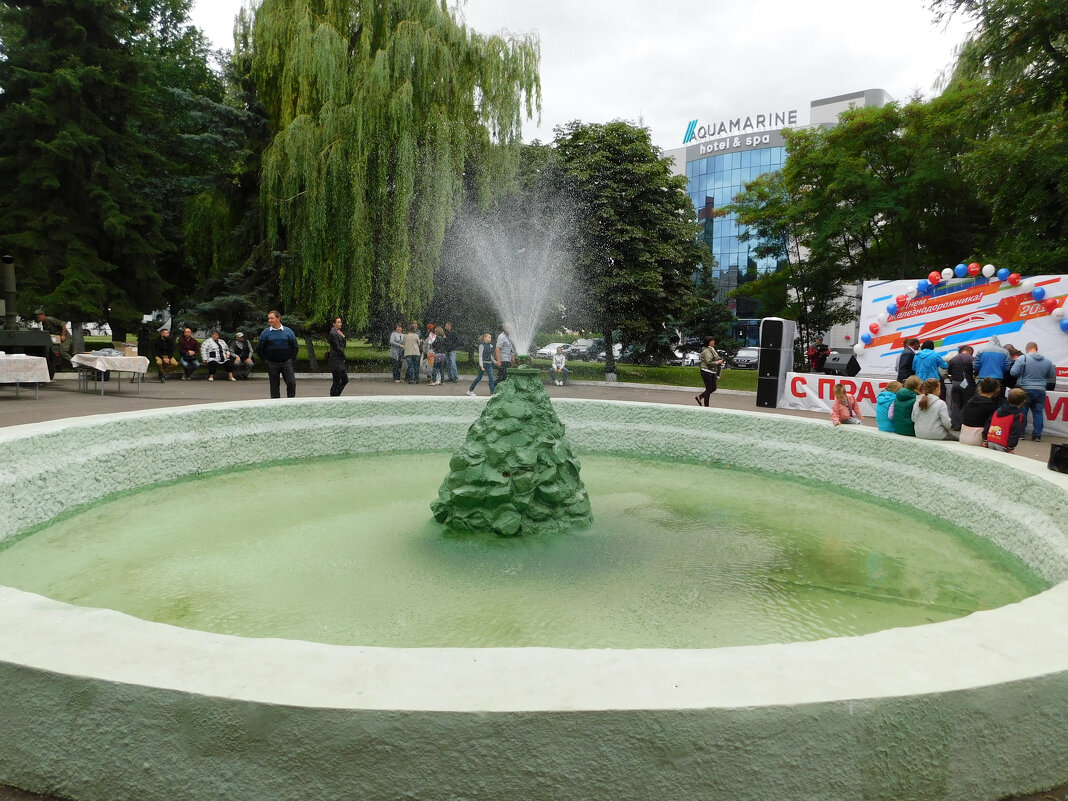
(99, 704)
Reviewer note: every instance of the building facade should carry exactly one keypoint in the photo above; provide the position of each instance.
(720, 157)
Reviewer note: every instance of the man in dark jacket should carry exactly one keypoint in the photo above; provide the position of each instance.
(961, 383)
(278, 349)
(904, 361)
(163, 349)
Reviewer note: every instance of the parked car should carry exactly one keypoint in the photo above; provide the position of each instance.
(617, 351)
(746, 358)
(685, 358)
(578, 348)
(550, 350)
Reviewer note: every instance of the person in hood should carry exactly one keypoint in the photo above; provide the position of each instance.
(991, 361)
(1034, 373)
(926, 363)
(884, 406)
(903, 403)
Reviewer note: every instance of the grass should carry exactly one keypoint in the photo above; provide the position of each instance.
(363, 357)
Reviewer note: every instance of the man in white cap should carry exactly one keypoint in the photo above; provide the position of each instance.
(242, 353)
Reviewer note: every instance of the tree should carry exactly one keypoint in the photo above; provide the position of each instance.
(638, 233)
(90, 136)
(382, 109)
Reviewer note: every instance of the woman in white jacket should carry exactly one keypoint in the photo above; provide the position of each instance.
(930, 415)
(215, 354)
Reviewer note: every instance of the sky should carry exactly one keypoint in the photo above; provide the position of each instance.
(662, 64)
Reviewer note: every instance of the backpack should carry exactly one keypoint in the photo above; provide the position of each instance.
(1000, 429)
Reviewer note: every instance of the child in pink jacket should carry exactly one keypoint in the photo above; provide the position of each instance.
(845, 408)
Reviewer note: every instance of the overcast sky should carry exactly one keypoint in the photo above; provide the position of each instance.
(664, 63)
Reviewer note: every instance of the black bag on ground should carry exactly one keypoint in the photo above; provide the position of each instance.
(1058, 458)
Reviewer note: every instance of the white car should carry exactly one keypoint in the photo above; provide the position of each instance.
(550, 350)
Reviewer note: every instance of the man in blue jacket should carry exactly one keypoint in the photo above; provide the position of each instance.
(1034, 371)
(278, 349)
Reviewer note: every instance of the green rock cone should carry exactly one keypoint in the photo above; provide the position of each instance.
(515, 474)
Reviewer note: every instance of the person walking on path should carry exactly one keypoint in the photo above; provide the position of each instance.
(504, 352)
(1034, 375)
(278, 349)
(396, 352)
(336, 359)
(711, 365)
(486, 357)
(411, 353)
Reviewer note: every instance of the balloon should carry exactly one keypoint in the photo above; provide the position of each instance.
(1003, 274)
(1028, 285)
(960, 270)
(922, 286)
(1014, 279)
(901, 301)
(947, 273)
(989, 270)
(891, 309)
(883, 317)
(1038, 293)
(874, 328)
(1064, 326)
(1058, 312)
(934, 277)
(974, 269)
(858, 349)
(1049, 304)
(865, 338)
(913, 292)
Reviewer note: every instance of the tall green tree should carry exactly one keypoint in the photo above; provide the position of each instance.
(639, 244)
(88, 149)
(382, 110)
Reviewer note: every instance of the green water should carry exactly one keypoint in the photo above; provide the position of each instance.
(680, 556)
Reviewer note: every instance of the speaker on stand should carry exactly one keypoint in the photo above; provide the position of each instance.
(775, 359)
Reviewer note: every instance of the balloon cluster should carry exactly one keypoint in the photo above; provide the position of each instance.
(973, 270)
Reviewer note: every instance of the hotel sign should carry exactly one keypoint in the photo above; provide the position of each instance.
(740, 126)
(730, 144)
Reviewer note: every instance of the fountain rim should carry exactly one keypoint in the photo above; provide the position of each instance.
(1014, 643)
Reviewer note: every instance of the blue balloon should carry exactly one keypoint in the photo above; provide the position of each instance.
(923, 285)
(1038, 293)
(866, 338)
(1064, 325)
(1004, 273)
(961, 270)
(892, 309)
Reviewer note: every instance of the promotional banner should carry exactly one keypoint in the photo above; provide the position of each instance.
(953, 310)
(814, 392)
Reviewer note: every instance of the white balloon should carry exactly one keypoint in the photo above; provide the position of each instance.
(858, 349)
(989, 270)
(1057, 313)
(883, 317)
(911, 293)
(1028, 286)
(947, 274)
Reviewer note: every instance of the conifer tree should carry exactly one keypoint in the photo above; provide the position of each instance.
(386, 112)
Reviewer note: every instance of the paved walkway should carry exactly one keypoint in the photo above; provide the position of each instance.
(62, 398)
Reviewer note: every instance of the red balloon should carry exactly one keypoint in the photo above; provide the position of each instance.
(902, 300)
(974, 269)
(874, 328)
(934, 277)
(1050, 304)
(1014, 279)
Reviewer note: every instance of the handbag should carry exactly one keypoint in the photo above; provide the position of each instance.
(1058, 458)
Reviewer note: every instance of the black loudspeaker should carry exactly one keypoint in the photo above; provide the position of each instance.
(771, 333)
(1058, 458)
(769, 362)
(768, 392)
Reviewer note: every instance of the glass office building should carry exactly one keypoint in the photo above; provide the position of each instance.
(720, 157)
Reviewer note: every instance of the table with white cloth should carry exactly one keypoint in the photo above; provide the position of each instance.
(18, 369)
(92, 365)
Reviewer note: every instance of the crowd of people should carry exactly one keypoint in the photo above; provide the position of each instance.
(992, 393)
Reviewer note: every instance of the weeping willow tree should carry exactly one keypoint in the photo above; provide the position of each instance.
(386, 112)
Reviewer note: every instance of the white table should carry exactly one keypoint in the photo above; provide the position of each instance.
(18, 369)
(90, 362)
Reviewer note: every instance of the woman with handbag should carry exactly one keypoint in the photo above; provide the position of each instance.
(711, 366)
